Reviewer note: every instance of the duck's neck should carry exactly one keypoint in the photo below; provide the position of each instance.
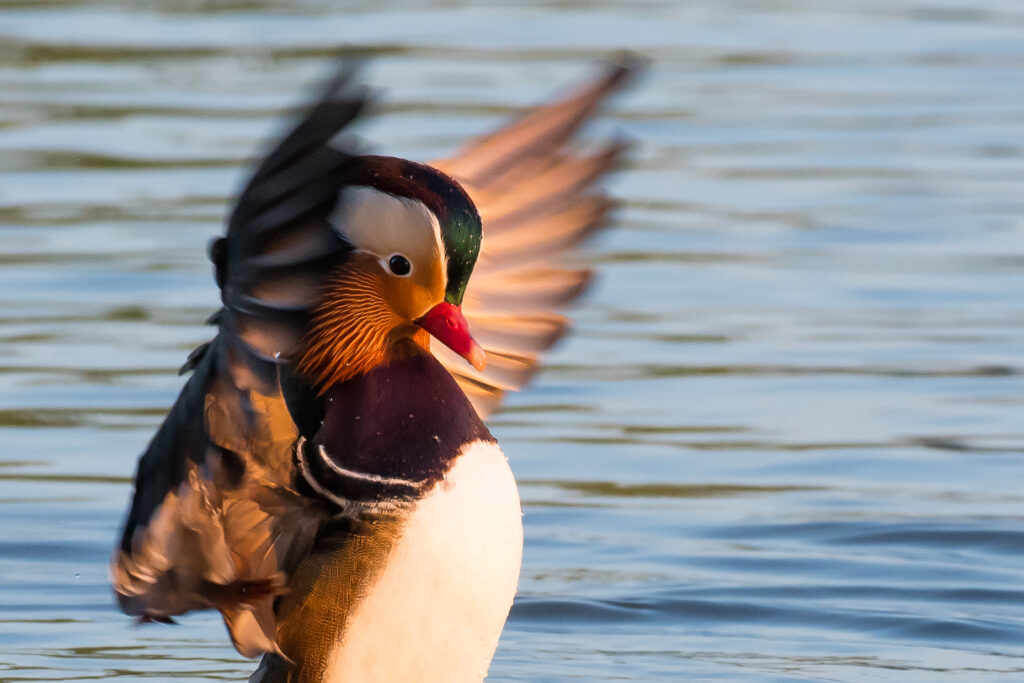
(389, 433)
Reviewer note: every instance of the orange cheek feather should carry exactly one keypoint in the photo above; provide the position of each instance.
(350, 329)
(362, 320)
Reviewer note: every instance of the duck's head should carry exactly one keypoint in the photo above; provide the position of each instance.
(414, 236)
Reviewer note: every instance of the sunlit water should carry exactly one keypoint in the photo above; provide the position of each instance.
(786, 439)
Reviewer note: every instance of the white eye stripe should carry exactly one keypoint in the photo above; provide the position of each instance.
(383, 226)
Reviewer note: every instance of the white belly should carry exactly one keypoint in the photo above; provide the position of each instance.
(436, 611)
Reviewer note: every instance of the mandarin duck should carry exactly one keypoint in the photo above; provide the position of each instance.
(325, 478)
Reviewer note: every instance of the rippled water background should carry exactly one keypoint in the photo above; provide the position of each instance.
(786, 440)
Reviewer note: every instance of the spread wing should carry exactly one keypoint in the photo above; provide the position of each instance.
(215, 521)
(538, 198)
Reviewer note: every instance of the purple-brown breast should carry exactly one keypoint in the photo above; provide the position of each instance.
(405, 420)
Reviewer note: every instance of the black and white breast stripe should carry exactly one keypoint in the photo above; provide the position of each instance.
(387, 435)
(342, 486)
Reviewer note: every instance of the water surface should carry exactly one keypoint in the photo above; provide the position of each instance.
(784, 441)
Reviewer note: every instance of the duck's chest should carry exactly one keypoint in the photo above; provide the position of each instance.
(437, 606)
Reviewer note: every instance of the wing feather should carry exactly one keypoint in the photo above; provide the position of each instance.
(215, 522)
(538, 134)
(536, 287)
(538, 197)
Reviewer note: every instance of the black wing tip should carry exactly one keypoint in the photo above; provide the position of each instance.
(343, 89)
(346, 70)
(342, 83)
(334, 103)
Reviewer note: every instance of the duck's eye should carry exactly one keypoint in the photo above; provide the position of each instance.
(399, 265)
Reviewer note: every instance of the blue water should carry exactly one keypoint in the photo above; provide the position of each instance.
(785, 439)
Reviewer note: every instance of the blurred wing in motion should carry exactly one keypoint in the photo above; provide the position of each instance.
(215, 521)
(538, 197)
(218, 519)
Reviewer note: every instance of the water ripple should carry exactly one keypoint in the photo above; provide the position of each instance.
(783, 441)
